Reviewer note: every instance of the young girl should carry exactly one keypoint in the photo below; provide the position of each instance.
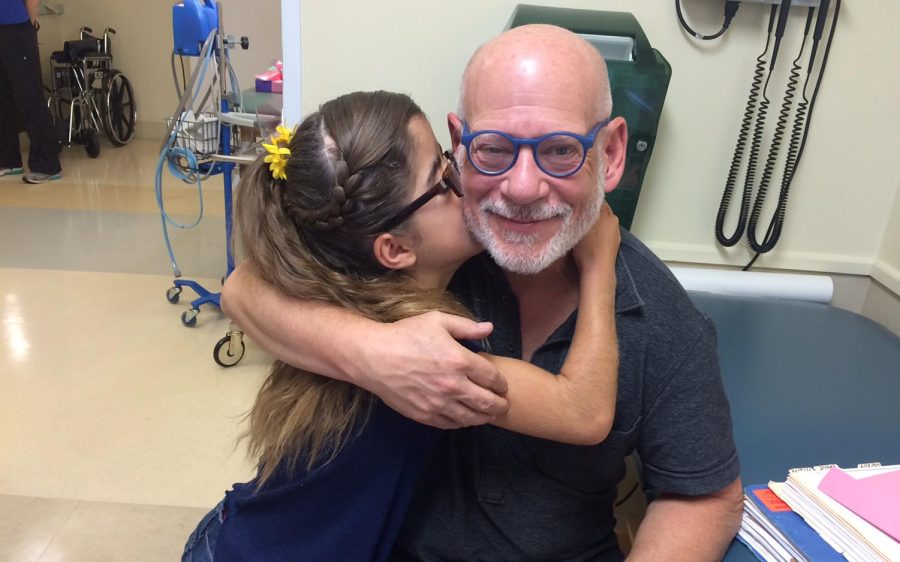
(358, 207)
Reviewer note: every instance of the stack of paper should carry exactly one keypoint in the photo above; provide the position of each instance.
(772, 530)
(825, 513)
(851, 533)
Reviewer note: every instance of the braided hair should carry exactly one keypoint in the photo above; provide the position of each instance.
(311, 237)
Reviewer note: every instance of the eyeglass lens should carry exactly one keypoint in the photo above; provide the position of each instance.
(557, 154)
(451, 175)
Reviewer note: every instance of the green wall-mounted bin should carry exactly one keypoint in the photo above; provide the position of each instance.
(638, 75)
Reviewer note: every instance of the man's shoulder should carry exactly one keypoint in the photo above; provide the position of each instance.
(645, 265)
(654, 283)
(666, 326)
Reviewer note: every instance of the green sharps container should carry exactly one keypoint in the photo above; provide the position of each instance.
(639, 78)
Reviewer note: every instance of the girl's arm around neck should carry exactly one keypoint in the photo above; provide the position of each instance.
(577, 406)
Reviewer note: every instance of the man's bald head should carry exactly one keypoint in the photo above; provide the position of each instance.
(547, 58)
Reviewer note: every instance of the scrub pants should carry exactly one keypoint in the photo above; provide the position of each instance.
(20, 89)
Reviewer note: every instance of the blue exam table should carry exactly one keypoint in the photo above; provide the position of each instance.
(808, 384)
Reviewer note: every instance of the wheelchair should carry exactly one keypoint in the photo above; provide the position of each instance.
(89, 97)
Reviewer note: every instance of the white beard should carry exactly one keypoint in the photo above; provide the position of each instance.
(514, 251)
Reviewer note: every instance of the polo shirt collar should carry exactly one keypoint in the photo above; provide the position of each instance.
(627, 296)
(628, 299)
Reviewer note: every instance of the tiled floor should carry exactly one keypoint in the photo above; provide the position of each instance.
(117, 429)
(48, 530)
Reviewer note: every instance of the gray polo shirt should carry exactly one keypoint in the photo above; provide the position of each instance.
(497, 495)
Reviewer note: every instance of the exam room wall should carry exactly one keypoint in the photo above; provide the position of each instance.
(887, 266)
(841, 198)
(840, 214)
(882, 302)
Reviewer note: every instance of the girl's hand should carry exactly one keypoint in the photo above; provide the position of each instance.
(599, 247)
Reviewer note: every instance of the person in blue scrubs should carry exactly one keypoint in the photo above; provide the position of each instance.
(21, 95)
(360, 208)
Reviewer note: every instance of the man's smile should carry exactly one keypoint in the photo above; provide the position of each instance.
(523, 225)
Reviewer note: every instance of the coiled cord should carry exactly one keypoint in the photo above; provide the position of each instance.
(731, 8)
(802, 121)
(815, 94)
(774, 231)
(790, 166)
(736, 161)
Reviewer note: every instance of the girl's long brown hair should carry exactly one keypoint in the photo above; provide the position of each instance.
(310, 236)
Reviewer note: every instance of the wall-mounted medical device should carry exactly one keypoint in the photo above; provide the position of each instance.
(798, 101)
(639, 78)
(731, 9)
(802, 3)
(792, 122)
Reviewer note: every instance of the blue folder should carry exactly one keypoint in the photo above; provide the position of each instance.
(794, 529)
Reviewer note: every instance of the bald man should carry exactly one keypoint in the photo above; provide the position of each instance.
(538, 151)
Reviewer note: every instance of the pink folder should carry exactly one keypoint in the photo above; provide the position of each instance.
(874, 498)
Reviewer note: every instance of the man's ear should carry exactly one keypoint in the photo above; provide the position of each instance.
(393, 252)
(614, 152)
(454, 123)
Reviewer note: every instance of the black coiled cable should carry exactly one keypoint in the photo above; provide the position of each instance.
(802, 122)
(775, 226)
(731, 8)
(737, 160)
(815, 95)
(790, 166)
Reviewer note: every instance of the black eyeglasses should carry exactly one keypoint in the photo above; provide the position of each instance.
(449, 181)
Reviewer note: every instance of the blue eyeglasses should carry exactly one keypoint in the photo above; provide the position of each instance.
(559, 154)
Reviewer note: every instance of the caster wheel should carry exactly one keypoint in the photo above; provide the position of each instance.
(227, 355)
(92, 144)
(172, 294)
(189, 317)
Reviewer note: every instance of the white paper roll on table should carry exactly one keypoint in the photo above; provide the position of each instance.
(811, 288)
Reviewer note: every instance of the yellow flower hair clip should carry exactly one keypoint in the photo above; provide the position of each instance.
(278, 154)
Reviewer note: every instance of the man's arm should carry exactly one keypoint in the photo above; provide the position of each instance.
(689, 528)
(414, 365)
(32, 6)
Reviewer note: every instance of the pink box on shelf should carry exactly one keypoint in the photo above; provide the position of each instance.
(269, 86)
(270, 81)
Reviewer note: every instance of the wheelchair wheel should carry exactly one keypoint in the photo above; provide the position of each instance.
(119, 109)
